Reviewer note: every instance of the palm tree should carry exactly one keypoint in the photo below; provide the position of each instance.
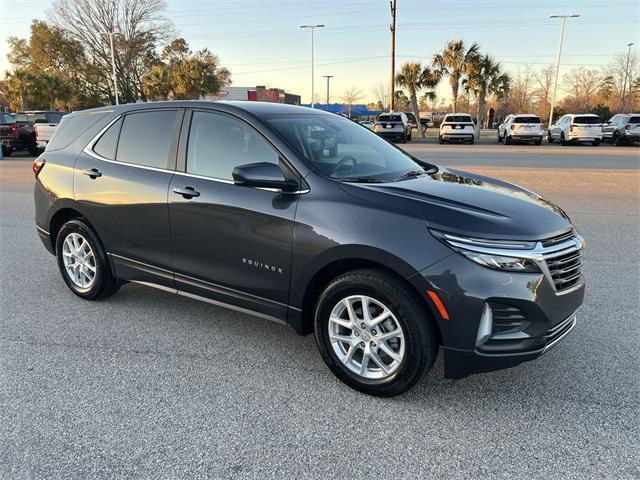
(454, 61)
(485, 78)
(413, 77)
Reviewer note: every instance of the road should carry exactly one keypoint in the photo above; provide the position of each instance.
(146, 384)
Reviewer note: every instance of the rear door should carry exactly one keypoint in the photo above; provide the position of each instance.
(122, 181)
(610, 126)
(231, 244)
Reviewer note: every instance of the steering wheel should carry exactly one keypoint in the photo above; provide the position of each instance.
(343, 161)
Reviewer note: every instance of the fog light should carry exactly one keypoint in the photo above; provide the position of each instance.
(486, 325)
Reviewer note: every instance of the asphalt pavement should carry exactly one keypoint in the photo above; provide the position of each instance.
(149, 385)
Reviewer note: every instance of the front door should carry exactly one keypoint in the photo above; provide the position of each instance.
(121, 182)
(231, 244)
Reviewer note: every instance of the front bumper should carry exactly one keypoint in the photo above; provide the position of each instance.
(528, 315)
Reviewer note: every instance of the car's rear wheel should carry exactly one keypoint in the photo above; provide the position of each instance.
(549, 137)
(33, 149)
(595, 143)
(539, 141)
(472, 141)
(440, 140)
(615, 140)
(562, 139)
(83, 261)
(374, 333)
(499, 137)
(507, 139)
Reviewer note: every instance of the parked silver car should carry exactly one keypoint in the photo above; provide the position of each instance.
(622, 128)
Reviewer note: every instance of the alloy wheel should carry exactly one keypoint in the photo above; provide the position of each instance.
(366, 337)
(79, 260)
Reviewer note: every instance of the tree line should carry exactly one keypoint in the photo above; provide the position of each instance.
(479, 85)
(66, 63)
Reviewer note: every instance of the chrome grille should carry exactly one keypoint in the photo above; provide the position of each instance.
(564, 264)
(563, 237)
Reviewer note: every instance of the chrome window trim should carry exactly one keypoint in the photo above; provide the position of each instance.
(231, 182)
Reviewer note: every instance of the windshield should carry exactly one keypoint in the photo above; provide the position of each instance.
(6, 118)
(342, 149)
(586, 120)
(457, 118)
(526, 120)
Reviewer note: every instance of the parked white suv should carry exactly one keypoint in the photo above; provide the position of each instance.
(393, 126)
(457, 126)
(582, 127)
(522, 127)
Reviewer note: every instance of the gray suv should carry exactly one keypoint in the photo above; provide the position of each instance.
(622, 128)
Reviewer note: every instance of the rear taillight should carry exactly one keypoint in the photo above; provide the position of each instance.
(14, 131)
(513, 127)
(38, 165)
(571, 128)
(627, 126)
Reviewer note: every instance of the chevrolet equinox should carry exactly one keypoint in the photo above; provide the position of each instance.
(308, 219)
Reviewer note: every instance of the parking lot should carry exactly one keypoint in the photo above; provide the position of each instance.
(146, 384)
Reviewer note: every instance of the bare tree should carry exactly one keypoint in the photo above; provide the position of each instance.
(616, 72)
(520, 93)
(544, 81)
(582, 85)
(380, 92)
(139, 25)
(350, 96)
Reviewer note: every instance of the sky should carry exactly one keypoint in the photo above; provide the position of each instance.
(261, 43)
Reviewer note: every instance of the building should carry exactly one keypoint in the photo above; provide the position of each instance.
(259, 93)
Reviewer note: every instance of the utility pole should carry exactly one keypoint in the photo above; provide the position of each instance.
(328, 77)
(555, 85)
(313, 92)
(113, 64)
(626, 75)
(394, 6)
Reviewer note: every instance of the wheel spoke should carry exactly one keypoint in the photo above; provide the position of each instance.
(365, 364)
(378, 361)
(341, 322)
(90, 267)
(388, 335)
(387, 349)
(366, 314)
(381, 318)
(340, 338)
(347, 358)
(352, 314)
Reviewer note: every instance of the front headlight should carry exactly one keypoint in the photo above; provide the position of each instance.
(513, 256)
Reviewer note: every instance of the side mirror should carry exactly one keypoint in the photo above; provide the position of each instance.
(262, 175)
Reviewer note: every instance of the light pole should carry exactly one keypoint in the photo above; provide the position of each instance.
(626, 75)
(312, 27)
(328, 77)
(113, 64)
(555, 83)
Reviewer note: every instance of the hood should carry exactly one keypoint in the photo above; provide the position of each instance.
(470, 204)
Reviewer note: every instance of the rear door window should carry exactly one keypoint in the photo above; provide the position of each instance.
(586, 120)
(634, 120)
(145, 138)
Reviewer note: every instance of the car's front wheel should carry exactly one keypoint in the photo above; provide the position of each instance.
(83, 262)
(374, 333)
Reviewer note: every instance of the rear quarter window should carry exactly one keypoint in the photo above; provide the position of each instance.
(634, 120)
(71, 127)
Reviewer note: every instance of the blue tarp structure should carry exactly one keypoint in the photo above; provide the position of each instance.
(357, 110)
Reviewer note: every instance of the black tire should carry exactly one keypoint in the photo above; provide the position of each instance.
(595, 143)
(507, 140)
(472, 141)
(409, 136)
(420, 333)
(7, 151)
(549, 137)
(539, 141)
(562, 139)
(615, 140)
(404, 138)
(104, 284)
(440, 140)
(34, 151)
(499, 137)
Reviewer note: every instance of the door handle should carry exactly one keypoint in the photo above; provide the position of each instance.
(93, 172)
(186, 192)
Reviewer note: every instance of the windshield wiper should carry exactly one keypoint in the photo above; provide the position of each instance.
(360, 180)
(410, 174)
